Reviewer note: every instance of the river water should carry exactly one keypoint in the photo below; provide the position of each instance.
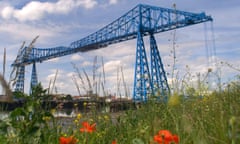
(66, 114)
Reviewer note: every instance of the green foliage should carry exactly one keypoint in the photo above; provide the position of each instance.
(26, 124)
(213, 118)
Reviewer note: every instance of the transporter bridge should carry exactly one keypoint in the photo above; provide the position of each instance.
(143, 20)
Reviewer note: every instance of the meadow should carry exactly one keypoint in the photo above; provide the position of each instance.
(212, 118)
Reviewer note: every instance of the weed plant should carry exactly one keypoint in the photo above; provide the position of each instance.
(210, 119)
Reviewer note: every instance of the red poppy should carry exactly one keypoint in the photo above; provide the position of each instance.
(87, 127)
(165, 134)
(165, 137)
(158, 139)
(67, 140)
(114, 142)
(175, 138)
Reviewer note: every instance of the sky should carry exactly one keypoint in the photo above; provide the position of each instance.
(60, 22)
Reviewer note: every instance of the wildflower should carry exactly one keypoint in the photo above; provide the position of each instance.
(232, 121)
(79, 116)
(158, 139)
(165, 137)
(106, 117)
(67, 140)
(114, 142)
(99, 135)
(174, 100)
(99, 118)
(175, 138)
(64, 134)
(91, 120)
(75, 121)
(53, 111)
(46, 118)
(165, 134)
(87, 127)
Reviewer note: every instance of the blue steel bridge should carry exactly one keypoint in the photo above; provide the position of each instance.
(143, 20)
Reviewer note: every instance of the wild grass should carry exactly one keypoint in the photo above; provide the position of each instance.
(5, 86)
(211, 119)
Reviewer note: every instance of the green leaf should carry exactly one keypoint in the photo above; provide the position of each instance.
(137, 141)
(17, 112)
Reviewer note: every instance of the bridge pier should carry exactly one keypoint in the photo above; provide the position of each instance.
(142, 80)
(145, 83)
(20, 79)
(34, 79)
(158, 75)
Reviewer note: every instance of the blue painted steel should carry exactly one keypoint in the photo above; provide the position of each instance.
(34, 79)
(142, 81)
(159, 79)
(141, 21)
(152, 20)
(20, 79)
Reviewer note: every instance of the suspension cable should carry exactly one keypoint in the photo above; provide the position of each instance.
(206, 45)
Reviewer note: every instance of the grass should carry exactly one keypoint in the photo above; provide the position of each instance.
(209, 119)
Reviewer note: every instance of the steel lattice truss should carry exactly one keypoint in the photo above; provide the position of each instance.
(143, 19)
(147, 19)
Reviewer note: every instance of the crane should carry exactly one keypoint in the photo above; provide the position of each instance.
(142, 20)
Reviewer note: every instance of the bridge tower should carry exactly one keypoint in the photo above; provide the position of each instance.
(142, 80)
(20, 79)
(159, 78)
(34, 79)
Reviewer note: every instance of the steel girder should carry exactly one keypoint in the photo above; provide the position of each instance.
(152, 19)
(146, 84)
(34, 79)
(20, 79)
(159, 79)
(142, 81)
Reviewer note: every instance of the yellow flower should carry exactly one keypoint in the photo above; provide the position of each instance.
(174, 100)
(106, 117)
(99, 117)
(53, 111)
(46, 118)
(90, 120)
(79, 116)
(85, 104)
(76, 121)
(64, 134)
(101, 134)
(232, 121)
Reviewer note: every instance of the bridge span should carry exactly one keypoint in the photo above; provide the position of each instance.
(142, 20)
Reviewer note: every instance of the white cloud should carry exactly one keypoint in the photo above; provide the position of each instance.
(63, 82)
(25, 32)
(112, 66)
(53, 60)
(113, 1)
(76, 57)
(36, 10)
(7, 12)
(86, 64)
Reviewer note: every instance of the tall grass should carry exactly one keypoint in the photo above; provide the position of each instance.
(212, 119)
(5, 86)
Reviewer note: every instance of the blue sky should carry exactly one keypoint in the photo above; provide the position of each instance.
(60, 22)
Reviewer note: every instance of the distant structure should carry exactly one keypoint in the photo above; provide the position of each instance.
(142, 20)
